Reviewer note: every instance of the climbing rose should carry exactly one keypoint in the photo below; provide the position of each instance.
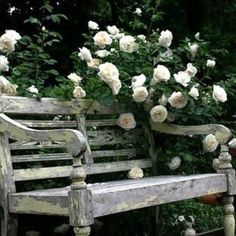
(210, 143)
(102, 39)
(174, 163)
(13, 34)
(85, 54)
(113, 30)
(140, 94)
(177, 100)
(165, 38)
(127, 44)
(126, 121)
(158, 113)
(79, 92)
(94, 63)
(193, 48)
(161, 73)
(211, 63)
(219, 94)
(102, 53)
(194, 92)
(191, 70)
(7, 43)
(73, 77)
(4, 63)
(138, 81)
(33, 89)
(93, 25)
(138, 11)
(182, 78)
(135, 173)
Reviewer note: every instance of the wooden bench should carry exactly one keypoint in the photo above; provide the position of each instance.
(33, 148)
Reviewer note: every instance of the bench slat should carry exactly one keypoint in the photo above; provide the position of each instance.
(66, 156)
(64, 171)
(23, 105)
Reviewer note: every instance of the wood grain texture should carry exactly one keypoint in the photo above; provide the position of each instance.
(74, 138)
(118, 196)
(91, 169)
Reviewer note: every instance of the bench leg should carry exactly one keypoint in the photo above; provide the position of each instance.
(82, 231)
(229, 221)
(9, 225)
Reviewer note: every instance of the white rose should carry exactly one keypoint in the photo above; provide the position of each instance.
(194, 92)
(135, 173)
(94, 63)
(126, 121)
(161, 73)
(4, 63)
(211, 63)
(113, 30)
(93, 25)
(232, 143)
(165, 38)
(193, 48)
(174, 163)
(127, 44)
(210, 143)
(142, 37)
(102, 53)
(85, 54)
(7, 43)
(33, 89)
(110, 75)
(191, 70)
(78, 92)
(102, 39)
(181, 218)
(182, 78)
(197, 36)
(158, 113)
(140, 94)
(138, 11)
(219, 94)
(163, 100)
(73, 77)
(178, 100)
(13, 34)
(138, 81)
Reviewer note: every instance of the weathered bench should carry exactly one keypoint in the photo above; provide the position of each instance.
(33, 148)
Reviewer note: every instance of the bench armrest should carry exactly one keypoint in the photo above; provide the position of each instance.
(222, 133)
(73, 138)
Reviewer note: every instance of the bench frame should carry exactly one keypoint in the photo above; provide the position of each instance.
(80, 204)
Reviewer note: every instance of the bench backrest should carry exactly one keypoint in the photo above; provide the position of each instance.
(112, 148)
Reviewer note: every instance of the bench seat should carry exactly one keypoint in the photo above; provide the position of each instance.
(129, 194)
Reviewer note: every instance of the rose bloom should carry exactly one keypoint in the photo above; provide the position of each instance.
(219, 94)
(211, 63)
(7, 44)
(191, 70)
(73, 77)
(193, 48)
(178, 100)
(158, 113)
(161, 73)
(182, 78)
(13, 34)
(33, 89)
(210, 143)
(194, 93)
(140, 94)
(163, 100)
(126, 121)
(93, 25)
(174, 163)
(127, 44)
(165, 38)
(102, 53)
(4, 63)
(94, 63)
(78, 92)
(102, 39)
(113, 30)
(138, 81)
(135, 173)
(142, 37)
(85, 54)
(138, 11)
(108, 72)
(115, 86)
